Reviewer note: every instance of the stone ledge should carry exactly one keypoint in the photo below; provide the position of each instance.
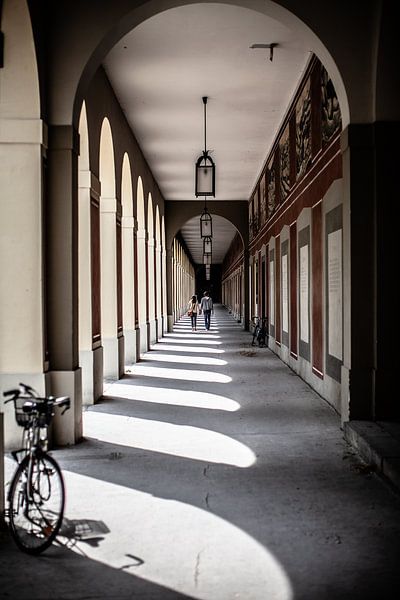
(377, 446)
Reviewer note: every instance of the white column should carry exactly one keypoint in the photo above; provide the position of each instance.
(164, 289)
(142, 279)
(22, 351)
(90, 357)
(128, 290)
(152, 321)
(108, 253)
(159, 285)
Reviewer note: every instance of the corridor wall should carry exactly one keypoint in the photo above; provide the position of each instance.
(232, 279)
(183, 280)
(296, 239)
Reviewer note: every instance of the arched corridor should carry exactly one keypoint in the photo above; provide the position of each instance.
(205, 492)
(108, 230)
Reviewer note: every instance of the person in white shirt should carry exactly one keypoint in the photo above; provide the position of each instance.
(193, 309)
(206, 306)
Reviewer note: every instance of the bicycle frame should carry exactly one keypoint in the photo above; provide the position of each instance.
(36, 495)
(260, 332)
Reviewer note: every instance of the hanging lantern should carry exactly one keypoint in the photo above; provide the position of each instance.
(207, 259)
(207, 245)
(205, 176)
(205, 167)
(205, 224)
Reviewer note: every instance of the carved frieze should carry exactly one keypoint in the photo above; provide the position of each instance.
(284, 153)
(263, 201)
(303, 131)
(331, 115)
(271, 188)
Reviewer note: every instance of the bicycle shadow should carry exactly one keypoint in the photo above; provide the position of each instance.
(89, 531)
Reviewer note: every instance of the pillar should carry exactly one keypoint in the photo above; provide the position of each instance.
(62, 279)
(359, 273)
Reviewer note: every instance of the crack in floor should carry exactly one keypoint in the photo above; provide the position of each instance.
(197, 568)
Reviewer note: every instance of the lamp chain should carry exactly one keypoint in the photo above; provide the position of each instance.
(205, 124)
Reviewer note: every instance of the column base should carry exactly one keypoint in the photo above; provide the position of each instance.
(67, 428)
(345, 394)
(111, 358)
(160, 327)
(153, 331)
(163, 326)
(121, 356)
(130, 346)
(143, 338)
(91, 362)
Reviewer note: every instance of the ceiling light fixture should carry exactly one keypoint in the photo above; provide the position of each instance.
(205, 166)
(207, 245)
(205, 222)
(270, 46)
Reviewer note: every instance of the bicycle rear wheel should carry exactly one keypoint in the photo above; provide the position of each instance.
(36, 517)
(255, 334)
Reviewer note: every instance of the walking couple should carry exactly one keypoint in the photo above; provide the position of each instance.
(205, 307)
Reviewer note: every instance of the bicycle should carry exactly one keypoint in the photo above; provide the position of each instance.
(36, 497)
(260, 331)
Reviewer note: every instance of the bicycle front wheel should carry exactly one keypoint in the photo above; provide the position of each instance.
(255, 334)
(37, 498)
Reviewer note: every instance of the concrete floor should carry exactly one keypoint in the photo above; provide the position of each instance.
(211, 471)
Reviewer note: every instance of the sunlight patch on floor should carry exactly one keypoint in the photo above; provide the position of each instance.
(173, 544)
(193, 335)
(178, 358)
(178, 440)
(168, 347)
(172, 396)
(187, 339)
(180, 374)
(199, 328)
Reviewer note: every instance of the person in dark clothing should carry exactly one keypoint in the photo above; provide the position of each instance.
(206, 306)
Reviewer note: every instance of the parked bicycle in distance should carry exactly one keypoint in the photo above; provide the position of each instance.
(260, 333)
(36, 497)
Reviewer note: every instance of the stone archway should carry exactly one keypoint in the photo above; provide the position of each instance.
(181, 212)
(352, 80)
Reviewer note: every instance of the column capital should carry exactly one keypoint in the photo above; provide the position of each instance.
(128, 222)
(23, 131)
(63, 137)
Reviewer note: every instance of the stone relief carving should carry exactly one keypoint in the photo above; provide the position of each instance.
(303, 131)
(331, 115)
(284, 152)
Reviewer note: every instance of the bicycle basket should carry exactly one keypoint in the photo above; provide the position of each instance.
(23, 417)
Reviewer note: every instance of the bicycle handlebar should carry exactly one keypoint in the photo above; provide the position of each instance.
(13, 393)
(31, 393)
(63, 401)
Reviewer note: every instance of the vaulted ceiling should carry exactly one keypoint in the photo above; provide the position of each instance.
(161, 70)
